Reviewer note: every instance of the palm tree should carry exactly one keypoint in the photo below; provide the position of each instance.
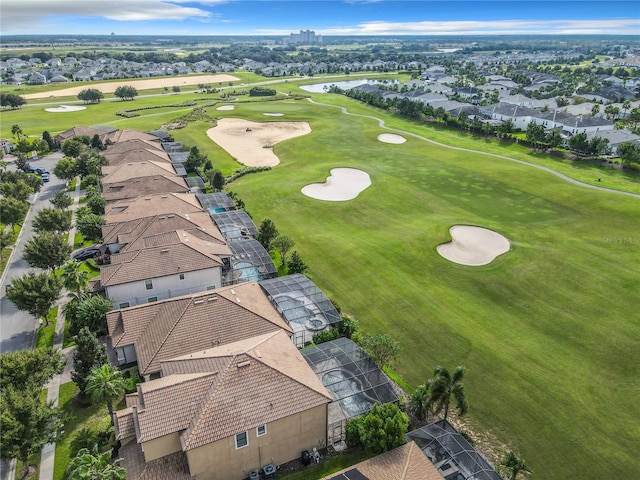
(105, 384)
(513, 466)
(73, 278)
(443, 386)
(16, 131)
(419, 402)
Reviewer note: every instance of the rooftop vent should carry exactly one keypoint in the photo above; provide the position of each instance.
(198, 302)
(164, 250)
(212, 299)
(244, 364)
(237, 300)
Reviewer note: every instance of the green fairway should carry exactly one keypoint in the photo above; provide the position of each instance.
(548, 332)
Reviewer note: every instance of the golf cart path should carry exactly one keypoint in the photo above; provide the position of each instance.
(496, 155)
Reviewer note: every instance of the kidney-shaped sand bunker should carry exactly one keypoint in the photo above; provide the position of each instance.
(343, 184)
(473, 246)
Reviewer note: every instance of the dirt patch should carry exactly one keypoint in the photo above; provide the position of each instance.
(250, 142)
(146, 84)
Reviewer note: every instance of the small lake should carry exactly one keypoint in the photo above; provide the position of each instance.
(322, 87)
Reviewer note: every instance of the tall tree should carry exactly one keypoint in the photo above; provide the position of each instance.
(52, 220)
(46, 136)
(13, 211)
(443, 387)
(66, 168)
(93, 465)
(61, 200)
(30, 368)
(96, 204)
(87, 356)
(266, 233)
(217, 181)
(629, 154)
(513, 466)
(126, 92)
(419, 402)
(296, 264)
(35, 293)
(18, 190)
(282, 244)
(97, 143)
(90, 225)
(194, 160)
(16, 131)
(47, 250)
(382, 348)
(105, 384)
(6, 239)
(74, 278)
(90, 95)
(27, 423)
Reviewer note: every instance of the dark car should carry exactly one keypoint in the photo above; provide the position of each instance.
(85, 253)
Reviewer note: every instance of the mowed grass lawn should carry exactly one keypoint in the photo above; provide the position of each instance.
(548, 332)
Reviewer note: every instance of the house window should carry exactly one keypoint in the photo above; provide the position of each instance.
(242, 440)
(148, 284)
(261, 430)
(152, 299)
(123, 305)
(182, 276)
(211, 287)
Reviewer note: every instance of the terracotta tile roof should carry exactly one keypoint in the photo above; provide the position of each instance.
(131, 399)
(130, 234)
(129, 171)
(169, 403)
(129, 134)
(144, 186)
(81, 130)
(170, 467)
(148, 206)
(134, 144)
(165, 329)
(403, 463)
(191, 238)
(262, 375)
(155, 262)
(133, 156)
(123, 424)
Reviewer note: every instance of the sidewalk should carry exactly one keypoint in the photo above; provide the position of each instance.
(49, 450)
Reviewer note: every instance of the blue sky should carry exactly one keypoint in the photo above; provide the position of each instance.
(327, 17)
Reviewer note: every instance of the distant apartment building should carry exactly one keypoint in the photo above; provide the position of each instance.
(305, 37)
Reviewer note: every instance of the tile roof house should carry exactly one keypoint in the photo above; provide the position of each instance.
(134, 156)
(228, 410)
(131, 180)
(133, 144)
(406, 462)
(150, 205)
(129, 134)
(81, 130)
(169, 265)
(148, 334)
(127, 236)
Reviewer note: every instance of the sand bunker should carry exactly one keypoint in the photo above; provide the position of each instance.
(343, 184)
(391, 138)
(65, 108)
(226, 107)
(250, 142)
(473, 246)
(146, 84)
(273, 114)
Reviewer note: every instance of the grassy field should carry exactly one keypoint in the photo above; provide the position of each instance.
(548, 332)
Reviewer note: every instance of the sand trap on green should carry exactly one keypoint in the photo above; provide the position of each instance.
(226, 107)
(273, 114)
(65, 108)
(473, 246)
(343, 184)
(391, 138)
(250, 142)
(147, 84)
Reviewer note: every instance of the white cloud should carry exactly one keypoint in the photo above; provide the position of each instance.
(20, 14)
(498, 27)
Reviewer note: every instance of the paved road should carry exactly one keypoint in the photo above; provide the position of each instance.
(17, 328)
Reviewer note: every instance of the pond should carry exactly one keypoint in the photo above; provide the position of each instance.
(323, 87)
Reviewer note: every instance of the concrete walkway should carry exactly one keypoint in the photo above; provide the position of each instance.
(49, 450)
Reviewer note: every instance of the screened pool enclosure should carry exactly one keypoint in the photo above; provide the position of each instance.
(451, 453)
(234, 225)
(355, 381)
(303, 305)
(249, 261)
(216, 202)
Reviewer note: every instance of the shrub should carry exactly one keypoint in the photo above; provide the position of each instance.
(326, 335)
(353, 432)
(349, 326)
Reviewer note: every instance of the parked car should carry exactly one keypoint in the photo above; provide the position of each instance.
(85, 253)
(45, 176)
